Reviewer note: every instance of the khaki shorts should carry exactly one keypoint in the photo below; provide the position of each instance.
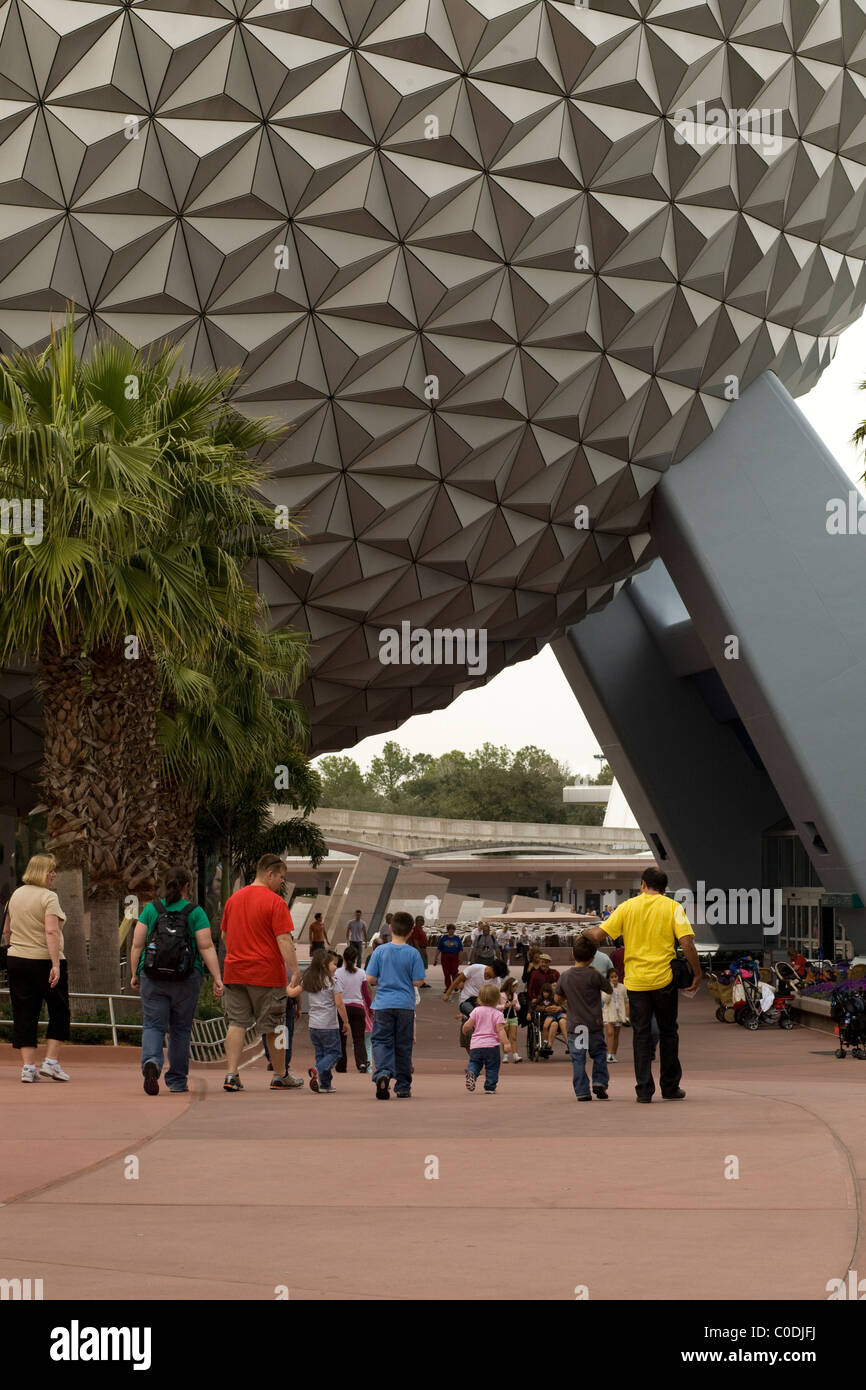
(261, 1005)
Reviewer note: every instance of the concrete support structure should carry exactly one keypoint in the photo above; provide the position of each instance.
(727, 683)
(699, 798)
(360, 890)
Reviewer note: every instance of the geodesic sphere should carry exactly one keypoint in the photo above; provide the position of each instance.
(497, 264)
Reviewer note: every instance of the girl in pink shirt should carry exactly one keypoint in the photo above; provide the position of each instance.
(486, 1025)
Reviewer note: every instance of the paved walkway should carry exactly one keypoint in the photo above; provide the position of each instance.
(238, 1194)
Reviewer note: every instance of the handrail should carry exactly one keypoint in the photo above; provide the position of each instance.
(208, 1034)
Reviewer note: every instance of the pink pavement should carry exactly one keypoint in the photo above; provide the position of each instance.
(536, 1195)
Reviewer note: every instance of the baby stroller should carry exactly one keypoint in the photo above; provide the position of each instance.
(848, 1012)
(747, 995)
(788, 988)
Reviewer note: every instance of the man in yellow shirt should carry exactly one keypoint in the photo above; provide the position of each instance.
(651, 926)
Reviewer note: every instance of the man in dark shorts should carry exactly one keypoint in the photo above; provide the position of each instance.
(318, 935)
(257, 929)
(580, 989)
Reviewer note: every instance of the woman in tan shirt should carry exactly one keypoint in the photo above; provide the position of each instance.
(37, 968)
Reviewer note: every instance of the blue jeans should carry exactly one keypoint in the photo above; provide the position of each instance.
(598, 1052)
(326, 1045)
(393, 1031)
(168, 1006)
(490, 1058)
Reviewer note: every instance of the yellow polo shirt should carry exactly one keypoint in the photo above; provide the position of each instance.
(650, 926)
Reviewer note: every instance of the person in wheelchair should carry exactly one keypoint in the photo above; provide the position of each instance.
(552, 1017)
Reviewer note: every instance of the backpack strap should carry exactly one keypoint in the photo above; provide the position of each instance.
(186, 913)
(162, 909)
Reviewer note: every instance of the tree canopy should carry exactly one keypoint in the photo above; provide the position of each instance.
(493, 783)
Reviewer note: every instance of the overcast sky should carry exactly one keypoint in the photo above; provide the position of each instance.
(532, 702)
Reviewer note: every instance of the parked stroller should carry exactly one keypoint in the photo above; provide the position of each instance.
(848, 1012)
(756, 1004)
(788, 988)
(720, 988)
(747, 996)
(742, 996)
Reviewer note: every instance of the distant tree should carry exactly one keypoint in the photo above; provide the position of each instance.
(344, 787)
(604, 776)
(493, 783)
(386, 773)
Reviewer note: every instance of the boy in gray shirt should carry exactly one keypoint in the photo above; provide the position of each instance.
(580, 989)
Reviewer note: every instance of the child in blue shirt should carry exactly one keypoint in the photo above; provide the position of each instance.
(396, 970)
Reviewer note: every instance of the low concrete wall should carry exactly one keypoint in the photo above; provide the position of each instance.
(411, 834)
(813, 1013)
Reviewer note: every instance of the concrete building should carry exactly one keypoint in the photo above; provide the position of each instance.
(464, 868)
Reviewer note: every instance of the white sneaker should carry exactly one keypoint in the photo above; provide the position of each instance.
(505, 1058)
(611, 1057)
(516, 1057)
(54, 1070)
(29, 1072)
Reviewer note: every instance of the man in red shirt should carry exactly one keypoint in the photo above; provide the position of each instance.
(542, 976)
(257, 929)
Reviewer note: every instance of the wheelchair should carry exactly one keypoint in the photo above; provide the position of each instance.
(535, 1038)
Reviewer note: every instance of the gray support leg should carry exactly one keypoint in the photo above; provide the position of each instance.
(742, 526)
(700, 799)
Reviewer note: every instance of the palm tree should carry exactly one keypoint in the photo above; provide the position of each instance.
(235, 735)
(151, 514)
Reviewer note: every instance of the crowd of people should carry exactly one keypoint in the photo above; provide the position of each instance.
(370, 1003)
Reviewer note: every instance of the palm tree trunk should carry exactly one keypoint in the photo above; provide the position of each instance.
(177, 808)
(140, 759)
(106, 882)
(69, 887)
(226, 865)
(104, 949)
(62, 678)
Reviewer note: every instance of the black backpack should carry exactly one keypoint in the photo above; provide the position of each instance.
(169, 953)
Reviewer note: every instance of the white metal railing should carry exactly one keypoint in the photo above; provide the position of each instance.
(112, 1023)
(208, 1043)
(208, 1034)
